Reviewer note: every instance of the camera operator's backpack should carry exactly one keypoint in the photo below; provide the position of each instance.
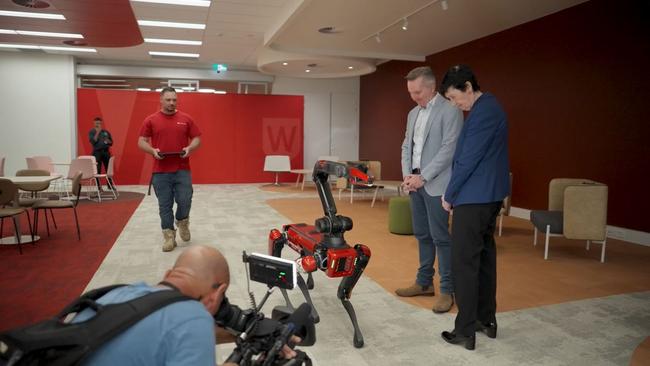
(56, 343)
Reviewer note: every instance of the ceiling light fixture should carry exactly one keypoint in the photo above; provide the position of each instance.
(173, 41)
(285, 63)
(202, 3)
(143, 89)
(174, 54)
(350, 67)
(46, 48)
(25, 14)
(156, 23)
(206, 90)
(23, 46)
(307, 70)
(49, 34)
(105, 80)
(404, 19)
(106, 85)
(73, 49)
(219, 92)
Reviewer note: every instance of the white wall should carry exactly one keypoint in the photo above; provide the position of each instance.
(331, 115)
(38, 113)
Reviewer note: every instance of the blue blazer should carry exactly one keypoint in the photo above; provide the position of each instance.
(480, 170)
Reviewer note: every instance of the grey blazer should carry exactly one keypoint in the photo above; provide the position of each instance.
(441, 133)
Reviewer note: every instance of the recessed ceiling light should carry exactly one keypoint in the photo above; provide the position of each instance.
(49, 34)
(405, 25)
(46, 48)
(40, 34)
(202, 3)
(174, 54)
(350, 67)
(307, 70)
(143, 89)
(156, 23)
(24, 14)
(285, 63)
(105, 80)
(23, 46)
(106, 85)
(73, 49)
(173, 41)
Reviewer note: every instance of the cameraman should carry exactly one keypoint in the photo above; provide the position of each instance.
(182, 333)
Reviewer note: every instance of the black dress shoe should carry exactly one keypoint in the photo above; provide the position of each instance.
(451, 337)
(489, 328)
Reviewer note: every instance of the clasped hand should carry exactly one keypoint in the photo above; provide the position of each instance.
(412, 183)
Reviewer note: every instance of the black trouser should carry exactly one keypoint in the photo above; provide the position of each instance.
(474, 264)
(102, 157)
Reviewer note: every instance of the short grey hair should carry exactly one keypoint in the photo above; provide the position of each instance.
(423, 71)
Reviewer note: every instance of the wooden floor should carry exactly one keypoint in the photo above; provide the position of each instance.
(525, 279)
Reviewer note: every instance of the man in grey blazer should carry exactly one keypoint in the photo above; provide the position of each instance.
(432, 129)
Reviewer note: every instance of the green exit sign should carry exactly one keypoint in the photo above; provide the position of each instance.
(219, 67)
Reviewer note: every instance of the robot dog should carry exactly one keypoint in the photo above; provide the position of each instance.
(322, 245)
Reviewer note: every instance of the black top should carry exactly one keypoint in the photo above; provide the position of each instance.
(103, 142)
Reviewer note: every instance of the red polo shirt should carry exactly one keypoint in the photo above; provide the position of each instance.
(170, 133)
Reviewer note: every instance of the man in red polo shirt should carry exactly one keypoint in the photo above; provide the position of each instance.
(164, 132)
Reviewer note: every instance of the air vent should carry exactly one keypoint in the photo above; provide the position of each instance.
(34, 4)
(330, 30)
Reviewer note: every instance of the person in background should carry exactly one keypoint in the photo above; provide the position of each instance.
(479, 183)
(101, 141)
(171, 131)
(431, 132)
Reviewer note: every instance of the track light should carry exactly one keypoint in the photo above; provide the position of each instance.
(405, 25)
(444, 5)
(377, 38)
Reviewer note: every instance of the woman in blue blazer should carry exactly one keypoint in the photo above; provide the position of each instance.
(479, 183)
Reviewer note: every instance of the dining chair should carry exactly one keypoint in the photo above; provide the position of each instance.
(109, 177)
(62, 204)
(8, 192)
(34, 189)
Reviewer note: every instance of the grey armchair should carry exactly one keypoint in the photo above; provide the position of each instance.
(577, 209)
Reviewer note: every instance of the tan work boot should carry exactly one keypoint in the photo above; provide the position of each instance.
(184, 229)
(443, 303)
(170, 240)
(415, 290)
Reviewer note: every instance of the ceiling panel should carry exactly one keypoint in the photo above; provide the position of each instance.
(237, 30)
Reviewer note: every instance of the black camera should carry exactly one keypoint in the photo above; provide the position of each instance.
(259, 336)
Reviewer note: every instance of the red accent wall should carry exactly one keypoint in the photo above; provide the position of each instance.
(238, 131)
(575, 86)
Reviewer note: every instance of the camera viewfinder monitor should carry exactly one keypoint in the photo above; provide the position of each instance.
(272, 271)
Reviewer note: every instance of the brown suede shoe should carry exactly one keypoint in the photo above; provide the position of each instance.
(443, 303)
(415, 290)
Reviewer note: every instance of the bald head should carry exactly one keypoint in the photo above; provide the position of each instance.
(198, 269)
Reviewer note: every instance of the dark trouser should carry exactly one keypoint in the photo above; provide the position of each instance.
(102, 157)
(170, 187)
(475, 264)
(431, 229)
